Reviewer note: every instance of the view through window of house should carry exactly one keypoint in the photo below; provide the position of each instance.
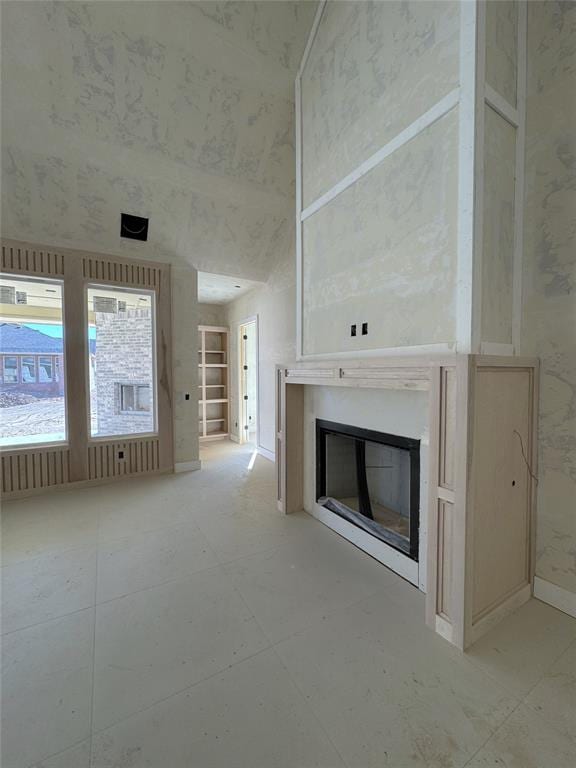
(121, 350)
(32, 386)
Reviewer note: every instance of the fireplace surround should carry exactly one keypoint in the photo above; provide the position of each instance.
(372, 480)
(476, 559)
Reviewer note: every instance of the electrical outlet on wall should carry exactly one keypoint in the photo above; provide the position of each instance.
(364, 329)
(353, 330)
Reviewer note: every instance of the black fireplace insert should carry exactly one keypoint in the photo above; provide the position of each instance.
(372, 480)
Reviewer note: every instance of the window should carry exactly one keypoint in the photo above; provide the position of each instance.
(28, 370)
(10, 370)
(134, 398)
(121, 346)
(45, 369)
(32, 398)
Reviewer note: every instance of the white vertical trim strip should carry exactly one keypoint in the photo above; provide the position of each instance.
(441, 108)
(466, 176)
(501, 106)
(519, 185)
(311, 37)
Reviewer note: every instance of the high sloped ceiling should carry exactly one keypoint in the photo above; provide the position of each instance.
(180, 112)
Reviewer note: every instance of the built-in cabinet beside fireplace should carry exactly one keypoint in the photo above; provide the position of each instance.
(470, 524)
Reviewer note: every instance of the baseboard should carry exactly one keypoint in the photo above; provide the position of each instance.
(234, 438)
(270, 455)
(187, 466)
(556, 596)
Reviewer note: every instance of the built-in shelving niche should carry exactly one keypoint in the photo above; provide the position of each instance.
(213, 382)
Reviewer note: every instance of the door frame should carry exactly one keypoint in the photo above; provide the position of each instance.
(240, 392)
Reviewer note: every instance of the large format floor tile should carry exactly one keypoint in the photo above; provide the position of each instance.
(248, 716)
(153, 643)
(520, 650)
(44, 525)
(554, 697)
(74, 757)
(46, 587)
(526, 741)
(46, 688)
(147, 559)
(304, 578)
(222, 634)
(390, 692)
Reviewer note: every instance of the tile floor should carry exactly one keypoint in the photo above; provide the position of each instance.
(181, 622)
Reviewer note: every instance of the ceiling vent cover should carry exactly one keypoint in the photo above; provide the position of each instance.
(133, 227)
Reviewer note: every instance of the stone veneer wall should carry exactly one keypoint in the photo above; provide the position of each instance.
(124, 345)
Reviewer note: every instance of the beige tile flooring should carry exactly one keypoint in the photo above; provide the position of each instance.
(181, 622)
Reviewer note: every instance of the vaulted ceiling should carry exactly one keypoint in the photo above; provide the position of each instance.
(181, 112)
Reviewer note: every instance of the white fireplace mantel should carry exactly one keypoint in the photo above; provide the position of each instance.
(481, 468)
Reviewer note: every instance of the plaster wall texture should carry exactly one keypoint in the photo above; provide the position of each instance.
(384, 252)
(211, 314)
(185, 362)
(498, 228)
(373, 69)
(502, 47)
(275, 305)
(181, 112)
(549, 272)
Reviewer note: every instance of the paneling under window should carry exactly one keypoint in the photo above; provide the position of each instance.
(125, 457)
(34, 469)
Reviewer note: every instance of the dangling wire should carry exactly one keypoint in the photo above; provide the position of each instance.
(532, 475)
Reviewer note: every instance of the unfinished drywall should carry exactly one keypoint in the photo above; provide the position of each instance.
(549, 317)
(498, 228)
(373, 69)
(384, 252)
(180, 112)
(211, 314)
(274, 305)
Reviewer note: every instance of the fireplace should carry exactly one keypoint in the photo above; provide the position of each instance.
(372, 480)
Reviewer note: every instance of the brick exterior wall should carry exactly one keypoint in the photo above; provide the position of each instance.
(124, 342)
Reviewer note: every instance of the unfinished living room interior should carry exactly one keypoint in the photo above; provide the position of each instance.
(288, 384)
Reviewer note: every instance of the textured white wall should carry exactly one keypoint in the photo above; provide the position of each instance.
(211, 314)
(373, 69)
(182, 112)
(275, 306)
(498, 225)
(549, 328)
(384, 251)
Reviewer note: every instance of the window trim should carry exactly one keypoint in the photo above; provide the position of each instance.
(154, 411)
(61, 283)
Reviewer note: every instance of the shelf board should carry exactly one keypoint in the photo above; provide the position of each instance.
(214, 435)
(214, 421)
(213, 385)
(215, 400)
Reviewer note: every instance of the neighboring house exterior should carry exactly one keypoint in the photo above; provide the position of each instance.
(30, 361)
(123, 372)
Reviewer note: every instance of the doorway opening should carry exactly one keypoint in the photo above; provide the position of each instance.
(248, 378)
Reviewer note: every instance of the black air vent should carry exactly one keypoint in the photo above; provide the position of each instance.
(133, 227)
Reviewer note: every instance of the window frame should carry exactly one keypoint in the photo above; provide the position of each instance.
(154, 383)
(34, 445)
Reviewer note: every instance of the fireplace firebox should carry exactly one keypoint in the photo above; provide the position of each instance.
(372, 480)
